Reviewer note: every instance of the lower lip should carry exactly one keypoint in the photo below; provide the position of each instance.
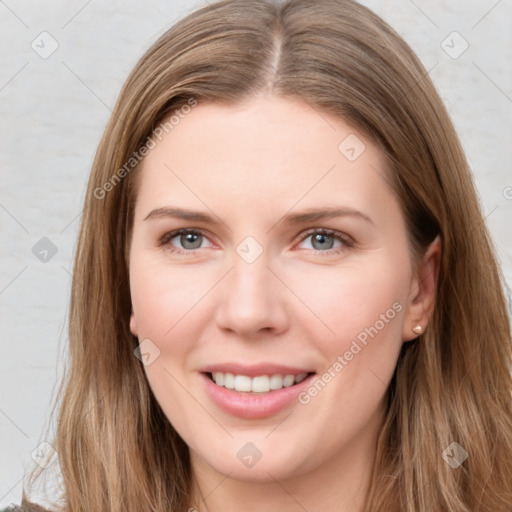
(249, 406)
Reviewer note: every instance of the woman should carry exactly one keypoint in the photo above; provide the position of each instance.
(255, 368)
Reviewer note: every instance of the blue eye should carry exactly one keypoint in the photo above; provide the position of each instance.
(322, 241)
(189, 239)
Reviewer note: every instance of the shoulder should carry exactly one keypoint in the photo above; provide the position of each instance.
(26, 507)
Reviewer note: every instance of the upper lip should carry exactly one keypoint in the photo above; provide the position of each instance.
(253, 370)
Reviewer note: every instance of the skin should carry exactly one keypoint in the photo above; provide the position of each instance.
(299, 303)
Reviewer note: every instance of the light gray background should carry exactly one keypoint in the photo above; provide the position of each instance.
(54, 110)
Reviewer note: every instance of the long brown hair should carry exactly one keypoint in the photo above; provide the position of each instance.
(452, 386)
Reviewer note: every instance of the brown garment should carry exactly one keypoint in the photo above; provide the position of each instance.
(28, 507)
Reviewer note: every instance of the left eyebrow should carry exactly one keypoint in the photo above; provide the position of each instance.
(314, 214)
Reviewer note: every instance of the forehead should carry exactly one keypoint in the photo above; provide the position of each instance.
(269, 151)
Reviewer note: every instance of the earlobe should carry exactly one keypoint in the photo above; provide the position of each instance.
(133, 324)
(422, 294)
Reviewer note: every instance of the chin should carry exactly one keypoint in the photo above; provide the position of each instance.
(258, 461)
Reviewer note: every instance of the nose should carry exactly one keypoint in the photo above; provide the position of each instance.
(252, 299)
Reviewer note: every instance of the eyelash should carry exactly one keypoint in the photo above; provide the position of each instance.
(341, 237)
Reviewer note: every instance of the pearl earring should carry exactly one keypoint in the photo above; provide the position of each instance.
(417, 329)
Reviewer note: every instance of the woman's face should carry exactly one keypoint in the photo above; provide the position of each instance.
(291, 280)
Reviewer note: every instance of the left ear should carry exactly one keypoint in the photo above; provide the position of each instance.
(422, 293)
(133, 324)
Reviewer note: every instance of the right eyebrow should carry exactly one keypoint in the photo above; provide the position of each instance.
(180, 213)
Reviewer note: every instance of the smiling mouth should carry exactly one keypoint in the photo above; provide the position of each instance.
(260, 384)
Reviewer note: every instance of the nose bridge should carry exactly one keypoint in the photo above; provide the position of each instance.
(250, 285)
(250, 300)
(250, 278)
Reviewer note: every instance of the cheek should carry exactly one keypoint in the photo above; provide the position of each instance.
(164, 298)
(358, 302)
(171, 306)
(167, 302)
(359, 338)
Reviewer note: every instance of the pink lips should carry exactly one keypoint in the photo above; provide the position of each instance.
(253, 406)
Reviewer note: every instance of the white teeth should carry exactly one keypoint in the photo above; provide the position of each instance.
(242, 383)
(259, 384)
(219, 378)
(288, 381)
(276, 382)
(229, 380)
(300, 377)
